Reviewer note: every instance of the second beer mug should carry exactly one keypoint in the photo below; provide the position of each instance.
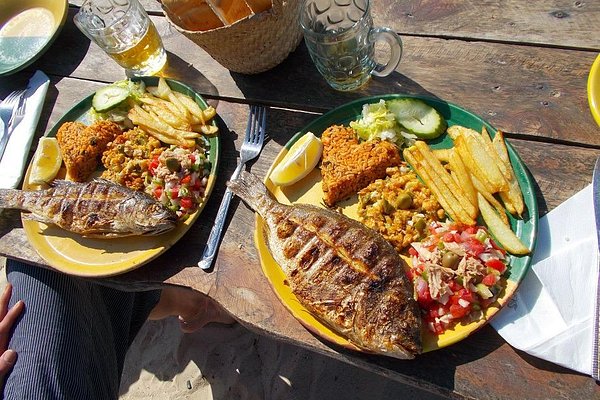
(125, 32)
(340, 37)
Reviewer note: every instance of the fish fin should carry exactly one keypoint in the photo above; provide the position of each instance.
(62, 182)
(37, 218)
(10, 198)
(252, 190)
(104, 181)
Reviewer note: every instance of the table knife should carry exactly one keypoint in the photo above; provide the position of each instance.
(596, 326)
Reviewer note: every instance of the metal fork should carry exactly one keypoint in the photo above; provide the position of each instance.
(17, 115)
(8, 105)
(251, 147)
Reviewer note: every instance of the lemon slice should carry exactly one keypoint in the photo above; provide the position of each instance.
(46, 161)
(302, 157)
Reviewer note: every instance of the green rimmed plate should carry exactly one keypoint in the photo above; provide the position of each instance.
(73, 254)
(27, 29)
(308, 190)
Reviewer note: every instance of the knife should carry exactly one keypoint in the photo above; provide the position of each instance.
(596, 326)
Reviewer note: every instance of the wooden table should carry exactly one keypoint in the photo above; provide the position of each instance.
(521, 65)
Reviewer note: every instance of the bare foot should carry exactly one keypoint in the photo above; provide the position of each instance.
(194, 309)
(208, 312)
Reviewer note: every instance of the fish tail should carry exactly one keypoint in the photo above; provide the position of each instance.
(251, 189)
(11, 198)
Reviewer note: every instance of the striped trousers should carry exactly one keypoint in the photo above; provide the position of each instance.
(72, 337)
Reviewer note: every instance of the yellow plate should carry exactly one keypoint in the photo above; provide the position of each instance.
(309, 191)
(593, 89)
(27, 29)
(73, 254)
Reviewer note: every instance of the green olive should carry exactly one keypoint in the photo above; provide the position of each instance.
(450, 260)
(420, 225)
(403, 201)
(387, 207)
(173, 164)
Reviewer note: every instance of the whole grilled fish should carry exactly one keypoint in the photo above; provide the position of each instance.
(99, 208)
(347, 275)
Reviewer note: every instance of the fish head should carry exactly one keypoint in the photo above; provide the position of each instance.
(155, 219)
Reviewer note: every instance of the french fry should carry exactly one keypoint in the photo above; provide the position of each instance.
(503, 234)
(464, 179)
(486, 163)
(172, 117)
(513, 197)
(192, 107)
(208, 130)
(437, 188)
(491, 199)
(443, 155)
(163, 112)
(442, 174)
(490, 171)
(471, 165)
(139, 116)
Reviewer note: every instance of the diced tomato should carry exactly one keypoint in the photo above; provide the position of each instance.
(495, 246)
(438, 328)
(457, 238)
(454, 286)
(197, 185)
(410, 274)
(472, 230)
(192, 158)
(152, 166)
(489, 280)
(496, 264)
(459, 311)
(413, 252)
(186, 202)
(468, 296)
(186, 179)
(474, 246)
(175, 193)
(424, 297)
(448, 237)
(158, 191)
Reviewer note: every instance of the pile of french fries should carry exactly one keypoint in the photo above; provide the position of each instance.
(466, 179)
(172, 117)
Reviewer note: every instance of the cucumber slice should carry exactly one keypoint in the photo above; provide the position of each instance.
(108, 97)
(417, 117)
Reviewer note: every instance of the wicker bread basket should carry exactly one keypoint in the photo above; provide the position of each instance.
(250, 45)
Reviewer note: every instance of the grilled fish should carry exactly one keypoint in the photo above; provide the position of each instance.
(99, 208)
(347, 275)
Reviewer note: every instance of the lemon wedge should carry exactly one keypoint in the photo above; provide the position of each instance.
(46, 161)
(302, 157)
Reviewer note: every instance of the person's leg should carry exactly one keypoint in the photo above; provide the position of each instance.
(193, 308)
(72, 338)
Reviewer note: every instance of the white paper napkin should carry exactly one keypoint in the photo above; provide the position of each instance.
(552, 313)
(17, 149)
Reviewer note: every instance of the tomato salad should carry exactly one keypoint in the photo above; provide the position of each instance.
(456, 273)
(178, 179)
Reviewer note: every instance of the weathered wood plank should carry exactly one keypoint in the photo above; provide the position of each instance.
(522, 90)
(562, 23)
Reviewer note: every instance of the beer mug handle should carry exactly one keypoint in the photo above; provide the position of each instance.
(395, 43)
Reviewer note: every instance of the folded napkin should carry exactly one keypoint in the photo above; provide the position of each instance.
(17, 149)
(552, 313)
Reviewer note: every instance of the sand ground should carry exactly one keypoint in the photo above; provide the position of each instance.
(229, 362)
